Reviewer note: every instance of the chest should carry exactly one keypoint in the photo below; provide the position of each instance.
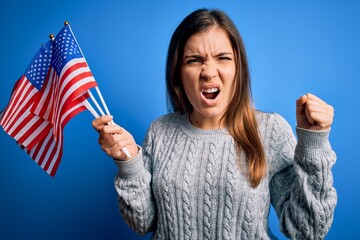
(203, 171)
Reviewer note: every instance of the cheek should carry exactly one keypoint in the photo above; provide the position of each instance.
(189, 80)
(230, 83)
(230, 71)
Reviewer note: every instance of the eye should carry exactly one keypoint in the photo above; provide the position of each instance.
(222, 58)
(192, 61)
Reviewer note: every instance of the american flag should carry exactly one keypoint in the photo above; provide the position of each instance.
(16, 119)
(62, 96)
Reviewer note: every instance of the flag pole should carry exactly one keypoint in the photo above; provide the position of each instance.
(125, 150)
(103, 102)
(91, 109)
(96, 103)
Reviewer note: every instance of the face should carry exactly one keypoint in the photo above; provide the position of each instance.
(208, 76)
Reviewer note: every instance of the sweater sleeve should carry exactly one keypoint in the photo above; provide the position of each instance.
(133, 186)
(302, 191)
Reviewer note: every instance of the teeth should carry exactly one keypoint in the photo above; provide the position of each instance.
(211, 90)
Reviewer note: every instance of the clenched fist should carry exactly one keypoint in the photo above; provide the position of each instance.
(312, 113)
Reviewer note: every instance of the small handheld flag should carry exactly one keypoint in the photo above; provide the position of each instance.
(54, 88)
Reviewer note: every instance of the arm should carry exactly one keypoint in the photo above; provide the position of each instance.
(302, 190)
(133, 181)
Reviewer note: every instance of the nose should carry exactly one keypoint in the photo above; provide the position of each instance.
(208, 72)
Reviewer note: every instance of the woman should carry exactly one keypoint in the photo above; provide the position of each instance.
(210, 169)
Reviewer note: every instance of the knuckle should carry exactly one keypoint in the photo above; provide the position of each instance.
(104, 148)
(106, 129)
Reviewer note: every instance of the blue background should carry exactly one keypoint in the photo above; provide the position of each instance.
(294, 47)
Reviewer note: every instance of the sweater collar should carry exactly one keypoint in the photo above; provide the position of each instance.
(194, 132)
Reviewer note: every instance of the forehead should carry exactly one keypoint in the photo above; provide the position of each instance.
(214, 39)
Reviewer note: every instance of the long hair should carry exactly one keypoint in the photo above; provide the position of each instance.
(240, 115)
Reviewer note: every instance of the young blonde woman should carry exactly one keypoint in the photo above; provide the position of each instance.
(212, 167)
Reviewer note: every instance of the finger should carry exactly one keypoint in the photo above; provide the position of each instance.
(319, 107)
(99, 122)
(108, 140)
(318, 113)
(115, 150)
(321, 120)
(311, 96)
(301, 101)
(300, 105)
(113, 129)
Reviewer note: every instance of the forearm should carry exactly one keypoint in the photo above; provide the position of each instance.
(308, 211)
(136, 202)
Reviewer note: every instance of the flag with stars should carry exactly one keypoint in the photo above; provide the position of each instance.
(16, 119)
(62, 96)
(52, 90)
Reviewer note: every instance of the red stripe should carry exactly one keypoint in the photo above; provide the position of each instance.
(57, 151)
(53, 105)
(43, 153)
(71, 69)
(78, 90)
(57, 99)
(29, 130)
(58, 105)
(72, 114)
(16, 90)
(18, 109)
(56, 161)
(85, 72)
(40, 135)
(43, 97)
(36, 148)
(16, 85)
(16, 101)
(53, 154)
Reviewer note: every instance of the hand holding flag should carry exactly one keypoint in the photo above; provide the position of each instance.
(54, 88)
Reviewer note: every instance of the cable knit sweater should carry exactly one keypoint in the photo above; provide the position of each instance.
(188, 183)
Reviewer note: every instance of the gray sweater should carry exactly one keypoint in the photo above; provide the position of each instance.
(188, 183)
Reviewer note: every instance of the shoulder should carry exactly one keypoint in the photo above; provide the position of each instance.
(278, 140)
(272, 124)
(273, 128)
(270, 118)
(167, 122)
(170, 118)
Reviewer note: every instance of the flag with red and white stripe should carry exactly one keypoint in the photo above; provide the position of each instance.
(16, 119)
(51, 92)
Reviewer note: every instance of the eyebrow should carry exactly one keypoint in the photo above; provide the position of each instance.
(224, 53)
(199, 56)
(193, 56)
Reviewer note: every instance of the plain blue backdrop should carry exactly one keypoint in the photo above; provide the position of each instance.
(294, 47)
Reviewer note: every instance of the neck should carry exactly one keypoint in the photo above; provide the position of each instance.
(206, 123)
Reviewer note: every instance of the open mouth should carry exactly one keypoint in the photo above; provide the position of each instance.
(211, 93)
